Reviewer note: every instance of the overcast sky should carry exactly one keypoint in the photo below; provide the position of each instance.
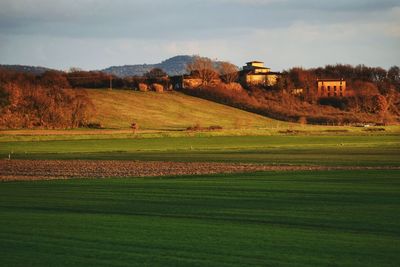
(94, 34)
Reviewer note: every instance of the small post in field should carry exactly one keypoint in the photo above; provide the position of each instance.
(134, 127)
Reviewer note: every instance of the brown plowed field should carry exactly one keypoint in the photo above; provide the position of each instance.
(64, 169)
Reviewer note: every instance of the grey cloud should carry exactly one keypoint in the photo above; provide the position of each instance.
(170, 19)
(78, 30)
(332, 6)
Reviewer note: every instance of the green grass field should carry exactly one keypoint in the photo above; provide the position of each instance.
(305, 150)
(337, 218)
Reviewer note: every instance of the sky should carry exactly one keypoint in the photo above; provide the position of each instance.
(95, 34)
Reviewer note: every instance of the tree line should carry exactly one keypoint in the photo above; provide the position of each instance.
(375, 94)
(41, 101)
(361, 79)
(54, 99)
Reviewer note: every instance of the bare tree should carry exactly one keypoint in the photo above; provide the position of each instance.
(155, 73)
(394, 76)
(74, 69)
(204, 68)
(229, 72)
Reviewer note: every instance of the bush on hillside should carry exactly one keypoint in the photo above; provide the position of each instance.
(143, 87)
(197, 127)
(282, 106)
(157, 87)
(134, 126)
(31, 106)
(94, 125)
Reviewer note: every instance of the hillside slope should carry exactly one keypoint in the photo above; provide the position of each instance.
(168, 111)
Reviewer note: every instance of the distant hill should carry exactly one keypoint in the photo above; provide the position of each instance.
(25, 69)
(172, 66)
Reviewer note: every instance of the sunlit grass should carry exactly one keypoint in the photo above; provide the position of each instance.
(168, 111)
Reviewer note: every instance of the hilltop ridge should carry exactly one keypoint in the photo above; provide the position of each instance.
(37, 70)
(173, 66)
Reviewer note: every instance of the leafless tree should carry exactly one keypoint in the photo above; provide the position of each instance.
(228, 71)
(204, 68)
(155, 73)
(74, 69)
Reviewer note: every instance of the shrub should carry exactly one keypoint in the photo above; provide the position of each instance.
(197, 127)
(94, 125)
(335, 102)
(134, 126)
(280, 105)
(214, 127)
(4, 98)
(302, 120)
(157, 87)
(374, 130)
(143, 87)
(30, 105)
(288, 131)
(232, 86)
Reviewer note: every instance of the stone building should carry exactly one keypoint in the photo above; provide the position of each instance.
(331, 88)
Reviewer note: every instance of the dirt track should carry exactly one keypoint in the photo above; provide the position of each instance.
(64, 169)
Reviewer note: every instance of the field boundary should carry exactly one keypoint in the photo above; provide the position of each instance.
(26, 170)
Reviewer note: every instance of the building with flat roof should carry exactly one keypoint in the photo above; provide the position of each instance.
(256, 74)
(331, 88)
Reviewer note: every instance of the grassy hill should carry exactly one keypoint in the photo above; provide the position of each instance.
(168, 111)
